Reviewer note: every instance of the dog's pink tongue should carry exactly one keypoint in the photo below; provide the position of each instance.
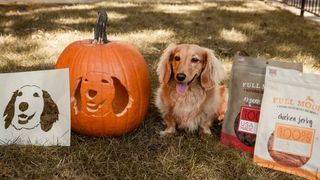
(181, 88)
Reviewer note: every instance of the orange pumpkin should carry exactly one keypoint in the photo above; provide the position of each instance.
(109, 84)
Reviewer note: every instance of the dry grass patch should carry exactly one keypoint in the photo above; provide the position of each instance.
(33, 36)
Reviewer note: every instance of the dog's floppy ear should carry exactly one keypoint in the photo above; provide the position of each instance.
(213, 72)
(76, 96)
(9, 111)
(50, 113)
(164, 67)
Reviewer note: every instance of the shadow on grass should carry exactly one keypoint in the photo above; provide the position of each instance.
(273, 33)
(14, 67)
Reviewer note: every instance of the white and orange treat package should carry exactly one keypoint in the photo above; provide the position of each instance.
(289, 126)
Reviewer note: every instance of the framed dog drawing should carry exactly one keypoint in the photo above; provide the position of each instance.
(34, 108)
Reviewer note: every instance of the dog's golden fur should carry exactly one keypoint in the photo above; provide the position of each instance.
(199, 96)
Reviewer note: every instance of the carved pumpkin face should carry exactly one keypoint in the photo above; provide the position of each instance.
(97, 92)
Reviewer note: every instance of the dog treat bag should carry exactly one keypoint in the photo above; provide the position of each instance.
(288, 131)
(245, 94)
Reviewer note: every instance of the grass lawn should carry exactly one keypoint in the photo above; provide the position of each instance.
(33, 36)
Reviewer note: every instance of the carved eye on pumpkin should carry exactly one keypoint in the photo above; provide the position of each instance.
(104, 81)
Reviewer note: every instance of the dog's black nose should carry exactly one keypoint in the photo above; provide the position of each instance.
(181, 76)
(23, 106)
(92, 93)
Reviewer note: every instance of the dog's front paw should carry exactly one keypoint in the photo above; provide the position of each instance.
(220, 119)
(204, 133)
(168, 132)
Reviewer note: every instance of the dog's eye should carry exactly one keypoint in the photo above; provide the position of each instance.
(104, 81)
(20, 93)
(85, 79)
(177, 58)
(194, 60)
(36, 95)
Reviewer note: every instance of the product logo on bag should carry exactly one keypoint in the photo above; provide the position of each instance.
(249, 117)
(253, 87)
(308, 105)
(272, 72)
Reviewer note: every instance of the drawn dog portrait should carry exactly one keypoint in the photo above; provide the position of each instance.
(31, 107)
(35, 108)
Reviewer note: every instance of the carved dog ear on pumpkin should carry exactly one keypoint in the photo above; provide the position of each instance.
(76, 96)
(121, 100)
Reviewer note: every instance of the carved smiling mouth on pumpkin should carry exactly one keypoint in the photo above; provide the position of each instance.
(93, 107)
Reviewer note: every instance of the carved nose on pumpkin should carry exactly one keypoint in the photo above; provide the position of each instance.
(92, 93)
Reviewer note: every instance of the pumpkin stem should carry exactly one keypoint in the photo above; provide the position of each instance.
(100, 35)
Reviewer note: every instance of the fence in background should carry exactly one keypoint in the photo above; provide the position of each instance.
(312, 6)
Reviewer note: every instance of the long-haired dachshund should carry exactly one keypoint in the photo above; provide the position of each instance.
(30, 107)
(189, 95)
